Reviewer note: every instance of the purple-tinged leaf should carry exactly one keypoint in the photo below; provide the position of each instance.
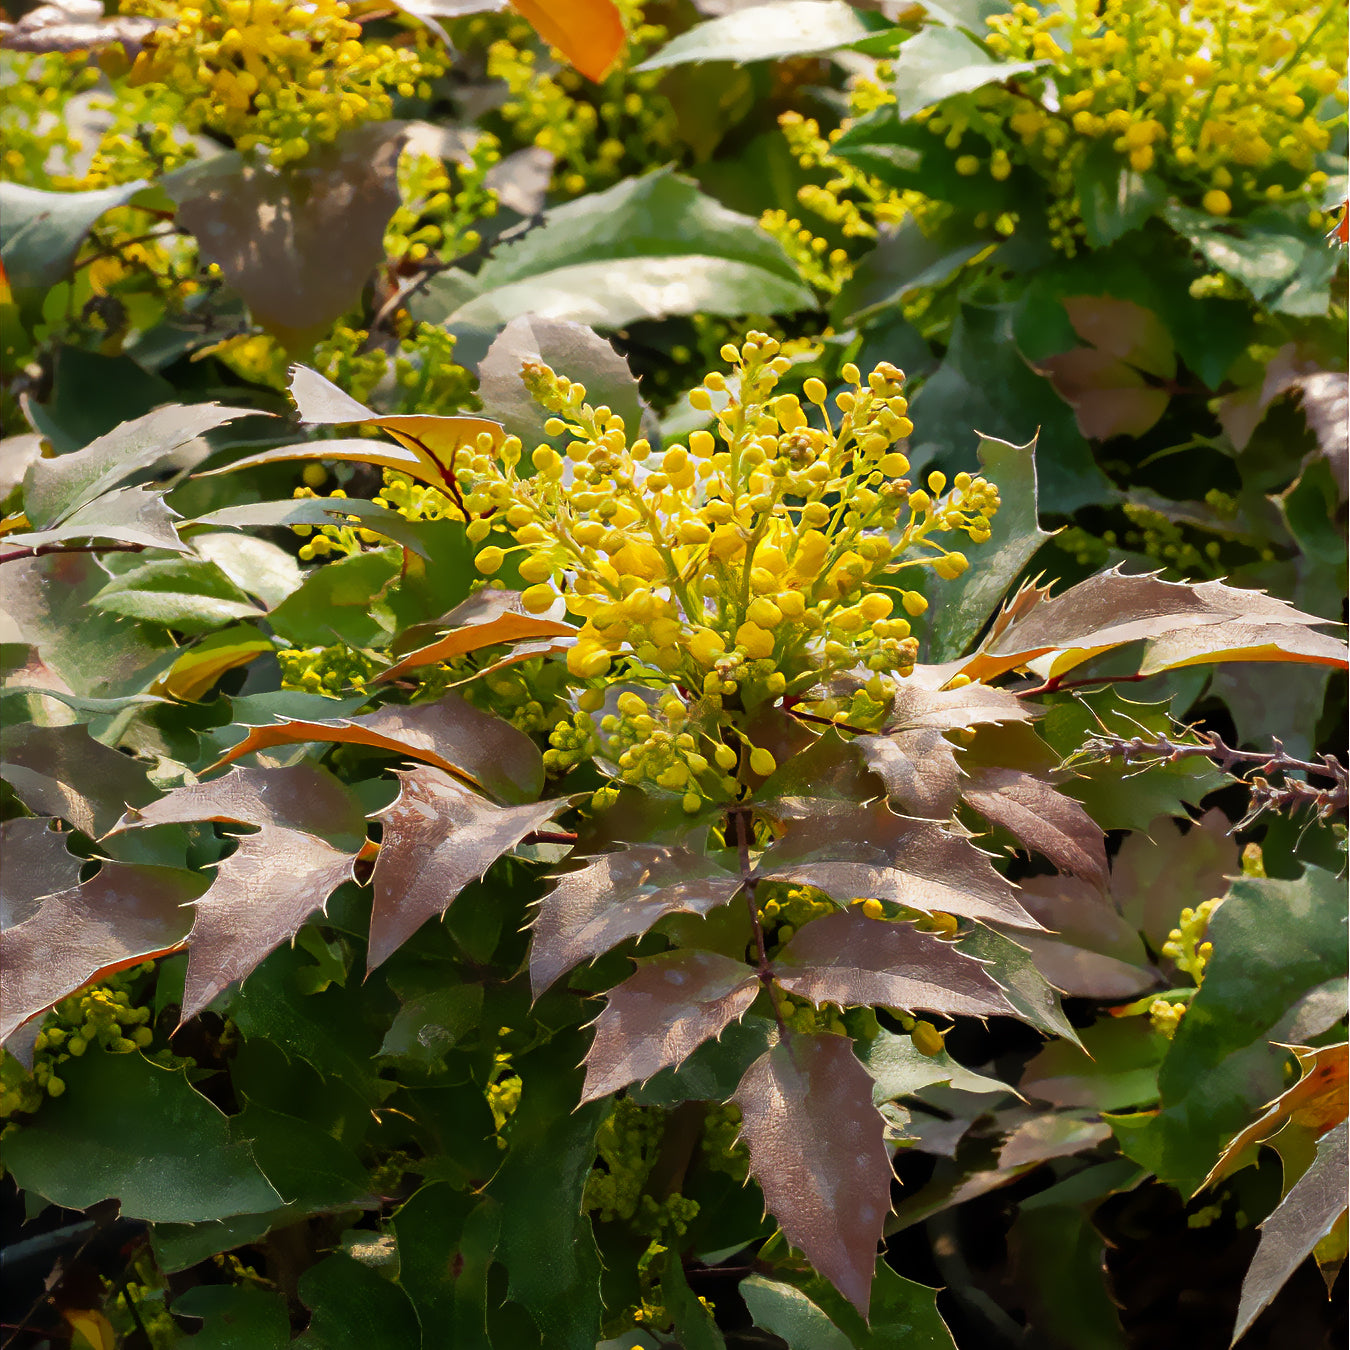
(449, 733)
(36, 864)
(1043, 818)
(849, 959)
(124, 915)
(818, 1151)
(918, 768)
(1303, 1218)
(618, 896)
(971, 705)
(870, 851)
(1053, 1134)
(262, 893)
(438, 836)
(662, 1014)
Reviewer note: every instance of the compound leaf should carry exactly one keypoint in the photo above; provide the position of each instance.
(662, 1014)
(850, 959)
(617, 896)
(817, 1148)
(438, 836)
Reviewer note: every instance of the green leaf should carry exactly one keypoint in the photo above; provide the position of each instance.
(646, 248)
(712, 1071)
(939, 62)
(794, 28)
(446, 1241)
(187, 594)
(694, 1324)
(238, 1317)
(1011, 967)
(334, 602)
(788, 1313)
(1274, 941)
(42, 231)
(1116, 198)
(128, 1129)
(430, 1022)
(547, 1245)
(899, 1069)
(128, 515)
(354, 1308)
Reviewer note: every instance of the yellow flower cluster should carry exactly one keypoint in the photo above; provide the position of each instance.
(1222, 96)
(34, 133)
(597, 133)
(1188, 950)
(277, 74)
(440, 205)
(742, 568)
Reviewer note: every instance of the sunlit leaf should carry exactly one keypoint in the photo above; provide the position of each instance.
(449, 733)
(1243, 642)
(618, 896)
(73, 26)
(201, 665)
(37, 864)
(126, 515)
(798, 28)
(870, 851)
(662, 1014)
(589, 33)
(438, 836)
(850, 959)
(818, 1151)
(188, 594)
(125, 914)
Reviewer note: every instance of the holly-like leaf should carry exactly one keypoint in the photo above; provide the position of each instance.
(940, 62)
(63, 771)
(487, 619)
(125, 914)
(1010, 965)
(54, 489)
(799, 28)
(449, 733)
(1243, 642)
(187, 594)
(872, 852)
(1304, 1217)
(1111, 609)
(850, 959)
(618, 896)
(37, 864)
(275, 879)
(817, 1148)
(589, 33)
(129, 1129)
(900, 1069)
(438, 836)
(918, 768)
(126, 515)
(1043, 818)
(196, 671)
(662, 1014)
(76, 26)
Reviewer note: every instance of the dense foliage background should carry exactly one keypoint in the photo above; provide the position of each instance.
(843, 506)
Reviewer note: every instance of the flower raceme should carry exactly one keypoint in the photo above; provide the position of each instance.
(751, 564)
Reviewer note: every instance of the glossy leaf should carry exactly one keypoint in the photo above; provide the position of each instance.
(354, 1308)
(1042, 818)
(187, 594)
(798, 28)
(438, 837)
(918, 768)
(451, 734)
(1306, 1215)
(850, 959)
(870, 851)
(1011, 966)
(1243, 642)
(238, 1317)
(646, 248)
(817, 1150)
(37, 864)
(122, 916)
(899, 1069)
(940, 62)
(693, 1322)
(54, 489)
(200, 666)
(662, 1014)
(126, 515)
(618, 896)
(128, 1129)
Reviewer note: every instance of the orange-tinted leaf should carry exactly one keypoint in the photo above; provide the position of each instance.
(36, 864)
(1243, 642)
(126, 914)
(201, 665)
(662, 1014)
(850, 959)
(450, 733)
(618, 896)
(261, 895)
(1314, 1104)
(1042, 817)
(1122, 329)
(438, 836)
(817, 1148)
(63, 771)
(870, 851)
(589, 33)
(484, 620)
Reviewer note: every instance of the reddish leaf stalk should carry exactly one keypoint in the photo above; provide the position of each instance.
(42, 550)
(1057, 685)
(748, 885)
